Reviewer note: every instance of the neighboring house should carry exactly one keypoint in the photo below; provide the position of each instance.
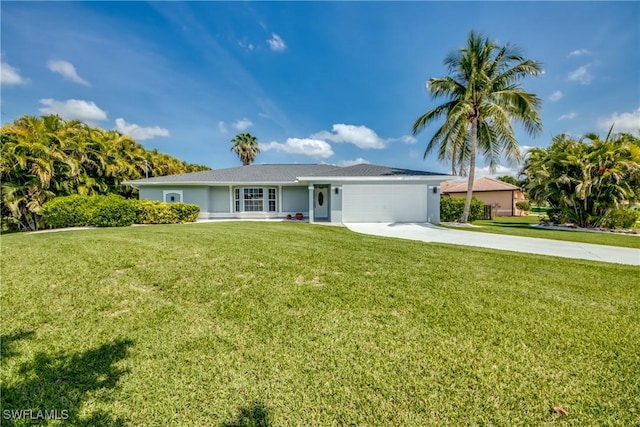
(360, 193)
(502, 197)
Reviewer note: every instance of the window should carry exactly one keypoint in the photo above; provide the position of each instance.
(272, 200)
(251, 199)
(172, 196)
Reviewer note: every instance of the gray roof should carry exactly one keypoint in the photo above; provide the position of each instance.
(363, 169)
(251, 173)
(280, 174)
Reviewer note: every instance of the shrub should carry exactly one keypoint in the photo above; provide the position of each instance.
(523, 205)
(556, 216)
(69, 211)
(114, 211)
(621, 218)
(451, 209)
(185, 212)
(152, 212)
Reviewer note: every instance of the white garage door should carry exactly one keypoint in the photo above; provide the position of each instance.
(384, 203)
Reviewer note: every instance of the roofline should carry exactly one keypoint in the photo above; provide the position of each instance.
(299, 180)
(194, 183)
(374, 178)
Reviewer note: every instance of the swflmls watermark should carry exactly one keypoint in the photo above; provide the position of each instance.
(35, 414)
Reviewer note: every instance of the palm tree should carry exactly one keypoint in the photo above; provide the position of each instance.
(483, 97)
(246, 147)
(583, 182)
(44, 157)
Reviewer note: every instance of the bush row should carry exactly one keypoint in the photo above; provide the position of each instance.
(114, 211)
(451, 209)
(620, 218)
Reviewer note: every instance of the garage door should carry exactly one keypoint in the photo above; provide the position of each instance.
(384, 203)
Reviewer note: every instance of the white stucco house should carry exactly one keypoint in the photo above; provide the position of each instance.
(360, 193)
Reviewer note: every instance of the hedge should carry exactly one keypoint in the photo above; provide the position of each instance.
(451, 209)
(621, 218)
(186, 212)
(69, 211)
(114, 211)
(524, 205)
(152, 212)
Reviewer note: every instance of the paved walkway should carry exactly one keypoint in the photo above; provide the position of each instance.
(431, 233)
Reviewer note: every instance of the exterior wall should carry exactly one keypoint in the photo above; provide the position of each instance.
(295, 199)
(398, 202)
(151, 193)
(355, 201)
(433, 204)
(335, 214)
(503, 203)
(195, 195)
(219, 200)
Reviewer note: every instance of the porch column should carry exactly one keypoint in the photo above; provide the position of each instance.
(231, 201)
(311, 203)
(279, 197)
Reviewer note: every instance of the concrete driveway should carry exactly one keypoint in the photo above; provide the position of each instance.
(431, 233)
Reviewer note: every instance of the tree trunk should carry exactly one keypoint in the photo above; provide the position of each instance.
(472, 170)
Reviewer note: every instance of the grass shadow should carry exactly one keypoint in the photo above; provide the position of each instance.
(58, 384)
(7, 342)
(255, 414)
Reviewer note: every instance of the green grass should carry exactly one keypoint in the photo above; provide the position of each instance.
(521, 226)
(230, 324)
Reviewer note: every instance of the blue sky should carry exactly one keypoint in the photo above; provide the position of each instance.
(333, 82)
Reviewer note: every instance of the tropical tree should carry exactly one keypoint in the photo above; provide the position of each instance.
(246, 147)
(44, 157)
(585, 180)
(511, 180)
(483, 97)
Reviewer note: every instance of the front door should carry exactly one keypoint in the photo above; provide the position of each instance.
(321, 203)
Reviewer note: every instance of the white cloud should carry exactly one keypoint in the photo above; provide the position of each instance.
(524, 150)
(581, 75)
(276, 43)
(138, 132)
(407, 139)
(243, 124)
(357, 161)
(247, 46)
(73, 109)
(579, 52)
(222, 127)
(360, 136)
(623, 122)
(66, 70)
(11, 76)
(314, 148)
(568, 116)
(556, 96)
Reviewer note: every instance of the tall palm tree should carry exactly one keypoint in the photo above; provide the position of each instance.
(246, 147)
(483, 97)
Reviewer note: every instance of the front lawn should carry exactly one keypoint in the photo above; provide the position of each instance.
(521, 226)
(241, 323)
